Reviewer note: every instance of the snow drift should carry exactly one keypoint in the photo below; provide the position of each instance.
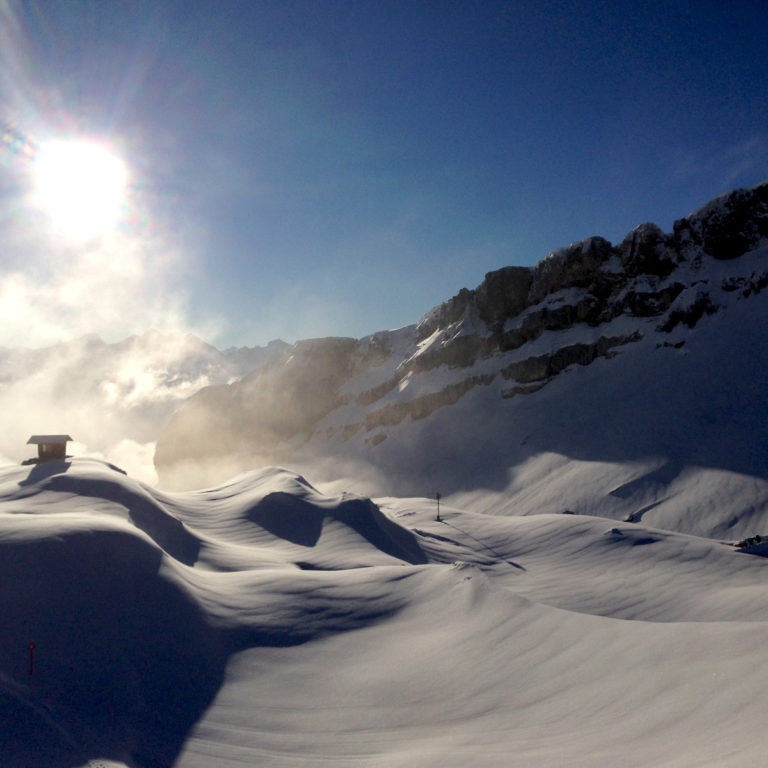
(264, 623)
(608, 405)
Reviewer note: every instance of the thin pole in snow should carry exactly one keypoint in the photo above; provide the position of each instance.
(437, 496)
(31, 657)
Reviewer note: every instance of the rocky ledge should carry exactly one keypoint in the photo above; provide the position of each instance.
(519, 329)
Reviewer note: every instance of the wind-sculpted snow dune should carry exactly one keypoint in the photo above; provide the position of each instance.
(263, 623)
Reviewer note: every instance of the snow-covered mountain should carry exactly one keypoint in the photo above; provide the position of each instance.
(622, 380)
(272, 621)
(264, 623)
(106, 393)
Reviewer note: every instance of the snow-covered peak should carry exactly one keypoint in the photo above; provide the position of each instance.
(643, 354)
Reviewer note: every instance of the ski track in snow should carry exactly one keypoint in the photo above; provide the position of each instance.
(264, 623)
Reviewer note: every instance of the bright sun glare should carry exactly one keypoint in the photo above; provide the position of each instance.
(81, 185)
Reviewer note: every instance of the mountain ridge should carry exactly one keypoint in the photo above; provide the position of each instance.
(148, 627)
(489, 369)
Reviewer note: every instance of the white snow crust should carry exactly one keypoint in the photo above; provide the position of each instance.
(264, 623)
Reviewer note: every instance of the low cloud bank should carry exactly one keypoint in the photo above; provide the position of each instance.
(113, 399)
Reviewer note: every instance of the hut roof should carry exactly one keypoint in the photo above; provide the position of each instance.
(48, 439)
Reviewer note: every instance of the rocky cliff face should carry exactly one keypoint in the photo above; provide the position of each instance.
(384, 400)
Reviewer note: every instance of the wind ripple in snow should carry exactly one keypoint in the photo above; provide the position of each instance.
(263, 623)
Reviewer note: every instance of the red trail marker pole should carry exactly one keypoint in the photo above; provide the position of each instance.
(31, 657)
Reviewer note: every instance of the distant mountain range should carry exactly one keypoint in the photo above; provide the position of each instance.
(627, 380)
(275, 620)
(101, 393)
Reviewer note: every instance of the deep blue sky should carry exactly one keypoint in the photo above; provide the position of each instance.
(336, 168)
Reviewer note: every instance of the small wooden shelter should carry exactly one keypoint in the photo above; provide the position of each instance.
(50, 447)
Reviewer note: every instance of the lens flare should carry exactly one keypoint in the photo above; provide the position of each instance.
(14, 142)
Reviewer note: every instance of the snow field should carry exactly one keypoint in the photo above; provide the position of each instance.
(264, 623)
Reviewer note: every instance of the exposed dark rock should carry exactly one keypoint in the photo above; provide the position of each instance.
(589, 283)
(544, 367)
(747, 286)
(375, 393)
(652, 303)
(691, 314)
(524, 389)
(647, 251)
(569, 267)
(374, 353)
(671, 345)
(755, 284)
(535, 323)
(727, 226)
(446, 314)
(735, 283)
(423, 406)
(459, 352)
(515, 338)
(724, 228)
(589, 309)
(503, 294)
(531, 369)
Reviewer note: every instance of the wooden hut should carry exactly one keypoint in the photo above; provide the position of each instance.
(50, 447)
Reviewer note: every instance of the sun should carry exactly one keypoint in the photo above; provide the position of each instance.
(81, 185)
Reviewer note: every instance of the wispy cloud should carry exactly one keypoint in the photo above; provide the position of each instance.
(116, 287)
(113, 399)
(746, 158)
(743, 162)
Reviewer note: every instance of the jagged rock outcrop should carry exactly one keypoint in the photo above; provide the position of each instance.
(504, 293)
(544, 367)
(573, 267)
(648, 251)
(727, 226)
(424, 405)
(520, 329)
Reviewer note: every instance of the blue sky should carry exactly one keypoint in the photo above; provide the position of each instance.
(304, 169)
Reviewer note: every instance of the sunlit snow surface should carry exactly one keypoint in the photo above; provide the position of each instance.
(262, 623)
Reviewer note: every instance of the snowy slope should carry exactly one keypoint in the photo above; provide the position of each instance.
(264, 623)
(625, 381)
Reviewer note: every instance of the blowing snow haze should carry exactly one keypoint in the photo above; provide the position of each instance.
(607, 407)
(622, 380)
(242, 560)
(113, 397)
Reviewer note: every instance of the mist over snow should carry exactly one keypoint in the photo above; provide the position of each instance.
(67, 361)
(467, 515)
(620, 380)
(111, 397)
(589, 592)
